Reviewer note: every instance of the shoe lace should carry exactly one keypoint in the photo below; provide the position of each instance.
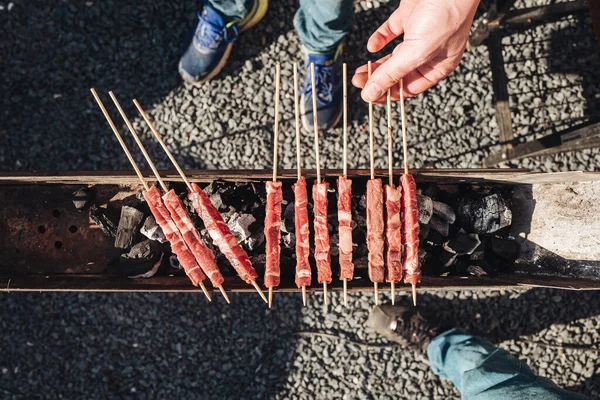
(323, 83)
(210, 35)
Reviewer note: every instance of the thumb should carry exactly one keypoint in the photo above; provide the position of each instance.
(407, 57)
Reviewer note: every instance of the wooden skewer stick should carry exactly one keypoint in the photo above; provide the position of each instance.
(405, 151)
(298, 153)
(371, 133)
(372, 156)
(316, 126)
(139, 142)
(315, 120)
(162, 143)
(345, 144)
(151, 164)
(119, 138)
(297, 115)
(132, 161)
(221, 289)
(390, 161)
(275, 143)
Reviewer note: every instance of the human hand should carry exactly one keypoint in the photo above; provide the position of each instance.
(435, 37)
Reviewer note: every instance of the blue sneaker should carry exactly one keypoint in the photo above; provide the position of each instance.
(330, 93)
(212, 42)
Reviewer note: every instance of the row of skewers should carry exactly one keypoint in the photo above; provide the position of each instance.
(400, 229)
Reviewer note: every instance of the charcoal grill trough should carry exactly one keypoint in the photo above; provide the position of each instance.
(48, 242)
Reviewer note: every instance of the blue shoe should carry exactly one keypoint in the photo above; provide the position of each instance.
(212, 42)
(328, 76)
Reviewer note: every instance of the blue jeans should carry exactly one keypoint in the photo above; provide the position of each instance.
(482, 371)
(321, 24)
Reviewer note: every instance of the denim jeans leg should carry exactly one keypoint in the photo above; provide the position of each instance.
(323, 24)
(482, 371)
(232, 9)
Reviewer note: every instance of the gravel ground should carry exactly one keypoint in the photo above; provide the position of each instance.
(141, 345)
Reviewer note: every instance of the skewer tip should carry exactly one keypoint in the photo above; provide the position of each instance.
(270, 297)
(393, 293)
(260, 292)
(304, 295)
(205, 291)
(224, 293)
(345, 292)
(414, 294)
(376, 293)
(325, 292)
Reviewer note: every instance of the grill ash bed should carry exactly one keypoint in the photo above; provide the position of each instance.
(92, 231)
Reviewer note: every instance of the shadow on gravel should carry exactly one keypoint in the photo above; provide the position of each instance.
(511, 316)
(145, 345)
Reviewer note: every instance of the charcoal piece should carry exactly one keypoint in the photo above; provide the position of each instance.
(288, 217)
(217, 201)
(479, 253)
(425, 208)
(447, 258)
(439, 225)
(507, 249)
(430, 190)
(104, 220)
(139, 195)
(362, 203)
(332, 220)
(174, 262)
(152, 230)
(240, 225)
(484, 215)
(435, 238)
(288, 240)
(462, 243)
(228, 214)
(359, 235)
(476, 270)
(129, 223)
(334, 245)
(423, 232)
(423, 254)
(82, 197)
(255, 240)
(142, 261)
(444, 211)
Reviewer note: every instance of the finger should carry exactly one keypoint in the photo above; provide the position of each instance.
(388, 31)
(409, 57)
(363, 70)
(427, 76)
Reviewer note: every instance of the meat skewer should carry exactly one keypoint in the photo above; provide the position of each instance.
(322, 247)
(161, 214)
(303, 272)
(202, 254)
(273, 209)
(410, 215)
(375, 227)
(217, 228)
(393, 202)
(344, 186)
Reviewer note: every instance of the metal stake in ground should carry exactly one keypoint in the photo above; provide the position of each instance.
(132, 161)
(164, 187)
(180, 171)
